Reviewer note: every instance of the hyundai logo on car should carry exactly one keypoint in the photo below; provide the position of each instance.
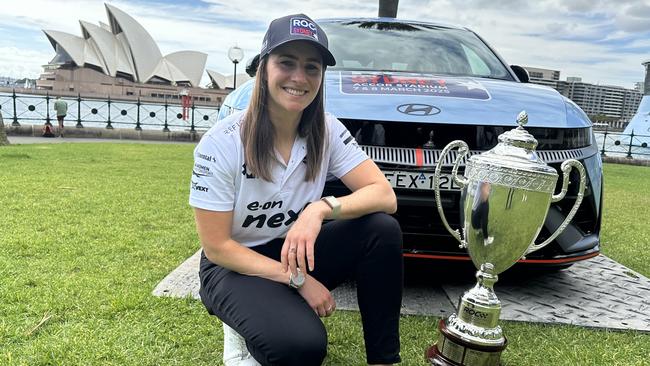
(416, 109)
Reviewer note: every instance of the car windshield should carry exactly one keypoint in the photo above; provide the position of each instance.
(421, 48)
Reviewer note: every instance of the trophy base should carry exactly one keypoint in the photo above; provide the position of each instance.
(454, 351)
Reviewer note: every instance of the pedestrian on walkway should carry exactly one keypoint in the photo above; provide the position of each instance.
(269, 260)
(61, 108)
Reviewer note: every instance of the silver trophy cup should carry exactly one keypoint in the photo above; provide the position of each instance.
(506, 194)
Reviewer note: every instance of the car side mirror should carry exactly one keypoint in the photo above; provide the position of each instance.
(521, 73)
(251, 65)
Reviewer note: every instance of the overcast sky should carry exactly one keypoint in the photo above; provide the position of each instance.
(601, 41)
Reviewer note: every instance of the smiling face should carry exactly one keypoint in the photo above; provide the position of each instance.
(294, 75)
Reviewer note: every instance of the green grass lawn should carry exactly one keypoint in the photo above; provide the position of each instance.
(88, 230)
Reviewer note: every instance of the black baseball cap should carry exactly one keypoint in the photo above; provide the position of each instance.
(297, 27)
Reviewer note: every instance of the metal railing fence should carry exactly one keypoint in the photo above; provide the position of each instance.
(621, 144)
(108, 113)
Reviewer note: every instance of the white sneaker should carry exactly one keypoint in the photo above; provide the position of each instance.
(235, 352)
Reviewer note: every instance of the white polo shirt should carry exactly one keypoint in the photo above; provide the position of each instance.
(263, 210)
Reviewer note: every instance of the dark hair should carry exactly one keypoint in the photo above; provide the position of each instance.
(258, 133)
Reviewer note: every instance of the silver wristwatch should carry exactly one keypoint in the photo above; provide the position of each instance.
(334, 204)
(298, 280)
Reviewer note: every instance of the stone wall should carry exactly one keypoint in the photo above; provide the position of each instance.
(104, 133)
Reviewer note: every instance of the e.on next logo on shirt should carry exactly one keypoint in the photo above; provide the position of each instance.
(272, 221)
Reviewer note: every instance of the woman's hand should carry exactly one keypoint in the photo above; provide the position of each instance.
(300, 240)
(317, 296)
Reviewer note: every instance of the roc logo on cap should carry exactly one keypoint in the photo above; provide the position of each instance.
(303, 27)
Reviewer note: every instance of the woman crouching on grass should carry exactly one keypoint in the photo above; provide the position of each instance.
(269, 262)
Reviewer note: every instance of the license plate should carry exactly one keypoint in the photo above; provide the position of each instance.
(419, 180)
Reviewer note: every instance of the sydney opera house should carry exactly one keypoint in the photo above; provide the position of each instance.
(121, 59)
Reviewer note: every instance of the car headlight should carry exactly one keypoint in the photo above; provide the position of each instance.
(562, 138)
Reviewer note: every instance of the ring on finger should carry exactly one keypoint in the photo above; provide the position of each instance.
(292, 250)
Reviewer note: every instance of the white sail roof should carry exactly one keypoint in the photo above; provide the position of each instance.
(92, 56)
(105, 43)
(226, 81)
(124, 46)
(71, 44)
(190, 63)
(166, 70)
(124, 57)
(143, 49)
(105, 26)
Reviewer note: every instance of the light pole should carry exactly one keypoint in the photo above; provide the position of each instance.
(235, 54)
(388, 8)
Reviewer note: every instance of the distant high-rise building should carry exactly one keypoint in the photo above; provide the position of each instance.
(639, 86)
(631, 102)
(602, 100)
(596, 100)
(543, 76)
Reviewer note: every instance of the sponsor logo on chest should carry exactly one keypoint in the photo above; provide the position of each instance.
(259, 218)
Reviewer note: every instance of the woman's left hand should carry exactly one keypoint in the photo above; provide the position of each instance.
(298, 247)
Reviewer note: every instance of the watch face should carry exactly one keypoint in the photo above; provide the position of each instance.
(299, 279)
(334, 204)
(331, 201)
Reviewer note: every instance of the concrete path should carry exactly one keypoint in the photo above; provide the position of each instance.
(20, 140)
(598, 292)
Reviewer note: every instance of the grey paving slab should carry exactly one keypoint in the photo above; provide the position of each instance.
(183, 281)
(417, 300)
(598, 292)
(595, 293)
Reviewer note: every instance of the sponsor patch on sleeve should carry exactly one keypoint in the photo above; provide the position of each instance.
(201, 170)
(206, 157)
(198, 187)
(416, 84)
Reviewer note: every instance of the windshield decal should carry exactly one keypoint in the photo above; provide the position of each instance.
(411, 84)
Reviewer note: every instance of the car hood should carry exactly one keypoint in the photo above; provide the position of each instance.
(408, 97)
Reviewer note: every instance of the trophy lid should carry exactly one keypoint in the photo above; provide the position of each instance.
(516, 150)
(519, 137)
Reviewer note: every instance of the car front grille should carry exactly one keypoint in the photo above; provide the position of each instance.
(408, 156)
(416, 147)
(480, 138)
(423, 229)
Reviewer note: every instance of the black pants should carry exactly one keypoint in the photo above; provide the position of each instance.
(279, 326)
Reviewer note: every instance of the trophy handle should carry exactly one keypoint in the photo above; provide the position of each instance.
(566, 169)
(463, 150)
